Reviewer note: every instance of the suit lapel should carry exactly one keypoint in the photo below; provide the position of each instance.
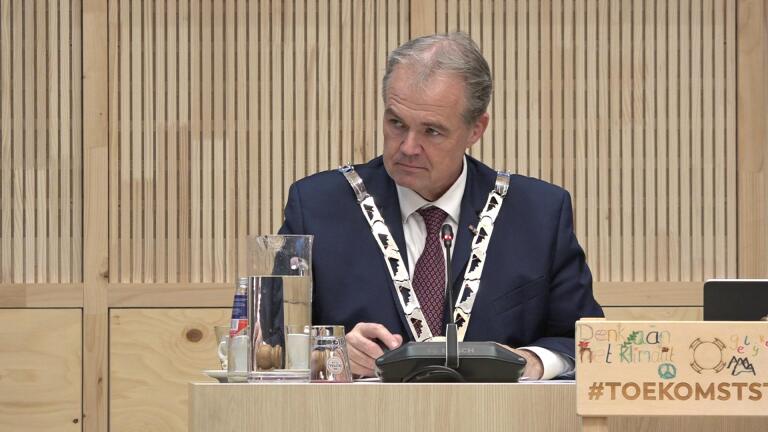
(476, 191)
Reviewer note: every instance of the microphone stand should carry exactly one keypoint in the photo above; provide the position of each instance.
(451, 331)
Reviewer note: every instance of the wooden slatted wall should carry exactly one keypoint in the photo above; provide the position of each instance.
(41, 229)
(629, 105)
(216, 106)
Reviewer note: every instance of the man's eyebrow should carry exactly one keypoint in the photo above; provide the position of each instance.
(436, 125)
(390, 111)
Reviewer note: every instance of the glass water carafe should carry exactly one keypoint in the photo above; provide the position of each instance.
(279, 308)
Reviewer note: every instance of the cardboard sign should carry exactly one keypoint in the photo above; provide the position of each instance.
(671, 368)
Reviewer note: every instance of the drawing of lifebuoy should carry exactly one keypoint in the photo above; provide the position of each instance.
(707, 355)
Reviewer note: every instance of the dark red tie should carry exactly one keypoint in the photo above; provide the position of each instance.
(429, 274)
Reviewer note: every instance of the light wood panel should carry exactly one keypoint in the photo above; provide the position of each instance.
(40, 370)
(626, 104)
(752, 136)
(428, 407)
(154, 353)
(218, 106)
(40, 142)
(679, 313)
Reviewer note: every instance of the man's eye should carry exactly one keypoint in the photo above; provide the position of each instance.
(396, 123)
(432, 132)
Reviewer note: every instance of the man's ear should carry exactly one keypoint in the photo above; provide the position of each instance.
(481, 124)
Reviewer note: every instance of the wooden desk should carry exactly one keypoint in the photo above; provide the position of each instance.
(416, 407)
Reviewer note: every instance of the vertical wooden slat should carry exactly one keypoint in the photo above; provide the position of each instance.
(278, 160)
(346, 92)
(53, 132)
(17, 143)
(124, 43)
(159, 60)
(604, 179)
(265, 123)
(579, 191)
(627, 210)
(231, 173)
(288, 123)
(534, 85)
(136, 142)
(253, 30)
(78, 140)
(509, 151)
(731, 143)
(184, 134)
(673, 115)
(685, 141)
(219, 142)
(115, 129)
(752, 138)
(558, 100)
(195, 140)
(463, 18)
(476, 33)
(638, 102)
(441, 16)
(498, 119)
(521, 92)
(334, 143)
(68, 106)
(661, 257)
(569, 98)
(359, 95)
(48, 131)
(148, 127)
(172, 135)
(719, 144)
(649, 138)
(208, 109)
(6, 156)
(616, 145)
(312, 65)
(591, 204)
(372, 95)
(452, 18)
(381, 65)
(422, 17)
(323, 87)
(28, 150)
(241, 98)
(41, 141)
(707, 125)
(697, 230)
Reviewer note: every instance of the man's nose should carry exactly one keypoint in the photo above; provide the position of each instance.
(410, 144)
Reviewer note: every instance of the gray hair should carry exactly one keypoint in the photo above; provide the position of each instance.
(454, 53)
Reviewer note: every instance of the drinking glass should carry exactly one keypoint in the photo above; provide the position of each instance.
(329, 360)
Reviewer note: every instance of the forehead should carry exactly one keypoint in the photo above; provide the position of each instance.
(439, 94)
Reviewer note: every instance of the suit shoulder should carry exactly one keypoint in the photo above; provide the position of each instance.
(330, 182)
(536, 190)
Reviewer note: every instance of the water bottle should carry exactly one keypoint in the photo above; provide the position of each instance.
(239, 340)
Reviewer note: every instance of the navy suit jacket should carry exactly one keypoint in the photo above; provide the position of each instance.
(534, 286)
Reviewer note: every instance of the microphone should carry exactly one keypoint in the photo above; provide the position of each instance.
(439, 361)
(451, 332)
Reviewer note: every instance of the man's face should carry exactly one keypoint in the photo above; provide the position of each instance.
(425, 135)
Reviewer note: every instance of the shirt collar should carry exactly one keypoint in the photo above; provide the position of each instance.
(450, 202)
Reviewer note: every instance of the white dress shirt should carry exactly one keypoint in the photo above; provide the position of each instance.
(415, 232)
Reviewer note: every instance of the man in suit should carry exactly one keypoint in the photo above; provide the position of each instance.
(535, 281)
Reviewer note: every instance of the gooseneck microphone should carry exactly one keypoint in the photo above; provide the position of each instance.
(439, 361)
(451, 332)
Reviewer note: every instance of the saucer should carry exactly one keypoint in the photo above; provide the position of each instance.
(220, 375)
